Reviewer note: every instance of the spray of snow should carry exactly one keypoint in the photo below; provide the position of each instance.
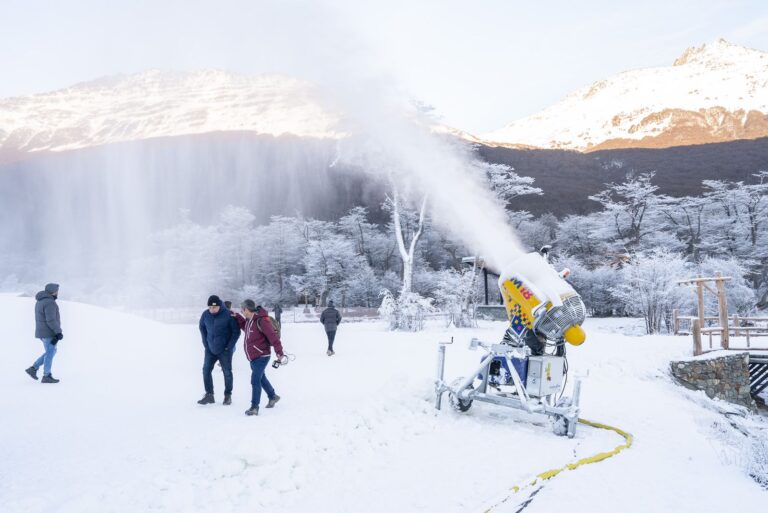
(391, 137)
(95, 210)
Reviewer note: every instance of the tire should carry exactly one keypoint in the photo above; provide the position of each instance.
(460, 405)
(560, 425)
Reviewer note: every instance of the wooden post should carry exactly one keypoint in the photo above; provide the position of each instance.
(700, 295)
(722, 304)
(748, 338)
(696, 331)
(675, 321)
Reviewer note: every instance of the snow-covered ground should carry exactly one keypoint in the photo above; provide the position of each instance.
(357, 432)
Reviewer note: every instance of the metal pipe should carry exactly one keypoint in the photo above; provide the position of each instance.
(461, 390)
(440, 373)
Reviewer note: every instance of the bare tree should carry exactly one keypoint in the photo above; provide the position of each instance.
(407, 247)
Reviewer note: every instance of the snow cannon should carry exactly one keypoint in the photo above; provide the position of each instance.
(543, 309)
(528, 369)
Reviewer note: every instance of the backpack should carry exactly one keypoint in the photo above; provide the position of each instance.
(275, 326)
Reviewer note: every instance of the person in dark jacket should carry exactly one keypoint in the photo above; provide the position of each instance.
(260, 336)
(219, 332)
(330, 319)
(278, 311)
(48, 330)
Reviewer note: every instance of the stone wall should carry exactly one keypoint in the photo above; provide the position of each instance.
(723, 377)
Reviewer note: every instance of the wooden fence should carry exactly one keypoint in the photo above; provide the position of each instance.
(746, 328)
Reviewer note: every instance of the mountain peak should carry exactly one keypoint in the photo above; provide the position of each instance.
(713, 93)
(156, 103)
(718, 52)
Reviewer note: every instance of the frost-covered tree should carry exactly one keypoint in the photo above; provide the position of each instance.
(587, 238)
(329, 262)
(595, 286)
(506, 184)
(407, 231)
(649, 288)
(686, 218)
(629, 205)
(456, 294)
(279, 248)
(406, 312)
(739, 295)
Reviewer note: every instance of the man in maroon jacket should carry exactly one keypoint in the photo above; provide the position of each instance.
(260, 335)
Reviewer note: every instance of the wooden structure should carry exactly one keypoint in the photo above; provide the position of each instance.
(722, 324)
(699, 327)
(739, 326)
(742, 327)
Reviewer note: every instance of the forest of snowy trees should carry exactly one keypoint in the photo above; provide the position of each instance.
(624, 258)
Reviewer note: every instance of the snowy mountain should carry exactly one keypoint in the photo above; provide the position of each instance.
(714, 93)
(156, 104)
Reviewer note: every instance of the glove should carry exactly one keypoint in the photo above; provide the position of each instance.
(59, 336)
(54, 342)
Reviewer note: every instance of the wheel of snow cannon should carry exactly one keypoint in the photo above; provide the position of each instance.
(560, 425)
(458, 404)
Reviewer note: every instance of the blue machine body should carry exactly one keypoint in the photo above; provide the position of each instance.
(504, 376)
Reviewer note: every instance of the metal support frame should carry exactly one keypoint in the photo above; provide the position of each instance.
(522, 401)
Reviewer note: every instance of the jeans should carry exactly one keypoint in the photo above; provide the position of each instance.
(47, 359)
(225, 357)
(331, 338)
(259, 380)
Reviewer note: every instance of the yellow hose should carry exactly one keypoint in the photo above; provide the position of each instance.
(549, 474)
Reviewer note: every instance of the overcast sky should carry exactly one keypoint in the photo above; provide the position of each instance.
(480, 63)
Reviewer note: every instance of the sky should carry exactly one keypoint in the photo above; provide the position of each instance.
(480, 64)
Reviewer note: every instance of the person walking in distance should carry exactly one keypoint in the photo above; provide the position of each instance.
(219, 332)
(278, 311)
(330, 319)
(260, 335)
(48, 330)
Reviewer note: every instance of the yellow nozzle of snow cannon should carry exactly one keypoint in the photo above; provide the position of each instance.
(575, 335)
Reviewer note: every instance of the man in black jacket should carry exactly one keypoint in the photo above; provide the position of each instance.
(330, 319)
(219, 331)
(47, 329)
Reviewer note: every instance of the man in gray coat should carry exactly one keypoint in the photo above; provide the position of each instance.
(47, 329)
(330, 319)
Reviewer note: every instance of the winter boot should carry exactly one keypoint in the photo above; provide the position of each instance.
(32, 371)
(272, 402)
(330, 352)
(253, 410)
(207, 399)
(227, 399)
(49, 379)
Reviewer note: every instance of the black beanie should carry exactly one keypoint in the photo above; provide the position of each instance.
(214, 300)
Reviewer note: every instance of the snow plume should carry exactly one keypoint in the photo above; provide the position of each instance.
(393, 138)
(109, 221)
